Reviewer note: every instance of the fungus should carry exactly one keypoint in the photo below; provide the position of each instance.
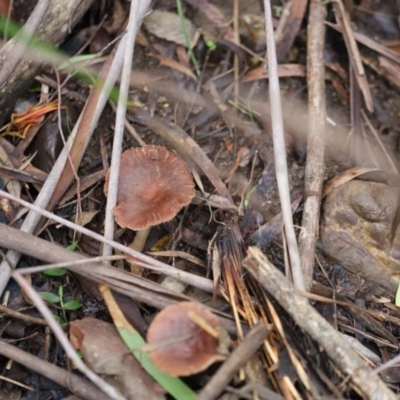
(178, 345)
(154, 184)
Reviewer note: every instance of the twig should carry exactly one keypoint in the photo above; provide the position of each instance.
(289, 26)
(137, 13)
(280, 151)
(71, 164)
(314, 173)
(91, 269)
(132, 286)
(310, 321)
(140, 259)
(343, 19)
(394, 362)
(236, 360)
(66, 264)
(130, 128)
(72, 382)
(22, 317)
(62, 338)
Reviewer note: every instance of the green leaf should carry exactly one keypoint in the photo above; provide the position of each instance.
(174, 386)
(397, 300)
(211, 45)
(77, 59)
(72, 305)
(50, 297)
(60, 320)
(61, 292)
(55, 272)
(73, 245)
(247, 199)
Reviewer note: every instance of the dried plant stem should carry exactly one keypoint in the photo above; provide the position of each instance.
(314, 173)
(139, 258)
(137, 12)
(280, 152)
(236, 360)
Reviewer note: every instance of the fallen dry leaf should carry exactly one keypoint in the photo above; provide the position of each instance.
(167, 25)
(105, 352)
(171, 63)
(344, 177)
(284, 70)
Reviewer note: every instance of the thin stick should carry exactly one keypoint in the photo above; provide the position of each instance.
(280, 151)
(62, 338)
(60, 129)
(137, 12)
(28, 319)
(314, 173)
(140, 259)
(236, 360)
(66, 264)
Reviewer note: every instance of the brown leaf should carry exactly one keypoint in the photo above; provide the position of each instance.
(171, 63)
(4, 8)
(292, 24)
(167, 25)
(284, 70)
(344, 177)
(214, 15)
(106, 354)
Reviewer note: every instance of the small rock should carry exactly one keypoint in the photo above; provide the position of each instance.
(358, 222)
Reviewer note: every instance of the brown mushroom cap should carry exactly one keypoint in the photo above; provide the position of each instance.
(154, 184)
(189, 355)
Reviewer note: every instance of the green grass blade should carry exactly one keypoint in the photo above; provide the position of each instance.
(397, 300)
(55, 272)
(174, 386)
(186, 36)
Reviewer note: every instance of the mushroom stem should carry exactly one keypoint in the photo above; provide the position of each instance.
(138, 244)
(140, 239)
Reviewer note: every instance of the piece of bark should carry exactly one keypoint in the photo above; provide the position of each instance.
(60, 17)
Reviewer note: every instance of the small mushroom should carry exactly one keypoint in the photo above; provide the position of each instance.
(154, 184)
(178, 345)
